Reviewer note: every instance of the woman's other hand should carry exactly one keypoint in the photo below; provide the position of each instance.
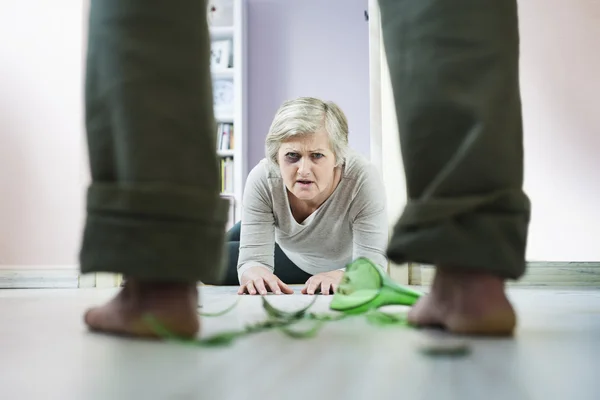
(325, 282)
(260, 280)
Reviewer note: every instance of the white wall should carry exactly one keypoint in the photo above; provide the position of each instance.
(41, 133)
(307, 48)
(560, 83)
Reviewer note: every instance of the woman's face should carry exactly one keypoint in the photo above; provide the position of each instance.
(307, 166)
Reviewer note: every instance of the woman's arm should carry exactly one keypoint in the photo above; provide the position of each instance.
(369, 219)
(257, 237)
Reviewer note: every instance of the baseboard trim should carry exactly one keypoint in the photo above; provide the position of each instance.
(54, 277)
(39, 279)
(539, 273)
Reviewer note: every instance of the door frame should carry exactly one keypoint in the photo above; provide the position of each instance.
(385, 148)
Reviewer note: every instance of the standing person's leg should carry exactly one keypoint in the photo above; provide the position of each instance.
(154, 212)
(454, 71)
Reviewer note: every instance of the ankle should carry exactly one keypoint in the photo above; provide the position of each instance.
(465, 276)
(144, 286)
(161, 295)
(469, 289)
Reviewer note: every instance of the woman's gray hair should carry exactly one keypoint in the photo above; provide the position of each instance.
(305, 116)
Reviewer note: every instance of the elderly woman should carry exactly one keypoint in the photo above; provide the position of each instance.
(311, 207)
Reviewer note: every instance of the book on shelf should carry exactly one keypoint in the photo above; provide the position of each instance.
(225, 137)
(231, 214)
(227, 175)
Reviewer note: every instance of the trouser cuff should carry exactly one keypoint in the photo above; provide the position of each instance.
(483, 233)
(154, 232)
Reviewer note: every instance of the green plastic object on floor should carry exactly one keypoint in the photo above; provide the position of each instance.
(365, 287)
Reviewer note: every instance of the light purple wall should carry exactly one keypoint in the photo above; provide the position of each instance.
(317, 48)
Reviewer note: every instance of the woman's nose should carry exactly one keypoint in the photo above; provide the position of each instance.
(303, 167)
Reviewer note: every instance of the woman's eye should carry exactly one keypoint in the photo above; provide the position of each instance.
(292, 156)
(318, 155)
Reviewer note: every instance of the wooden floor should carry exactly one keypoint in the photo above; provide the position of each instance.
(46, 353)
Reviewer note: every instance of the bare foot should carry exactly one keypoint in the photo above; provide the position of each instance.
(173, 305)
(470, 303)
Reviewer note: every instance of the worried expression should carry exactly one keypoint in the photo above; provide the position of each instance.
(307, 166)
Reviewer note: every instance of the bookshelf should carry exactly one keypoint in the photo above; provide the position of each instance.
(228, 67)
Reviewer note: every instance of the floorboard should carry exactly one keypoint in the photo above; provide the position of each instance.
(46, 353)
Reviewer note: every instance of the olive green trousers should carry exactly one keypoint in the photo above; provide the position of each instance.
(154, 209)
(454, 68)
(153, 206)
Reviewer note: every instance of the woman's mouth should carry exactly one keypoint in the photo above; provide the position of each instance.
(304, 182)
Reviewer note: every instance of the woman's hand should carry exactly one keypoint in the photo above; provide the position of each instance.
(260, 280)
(326, 281)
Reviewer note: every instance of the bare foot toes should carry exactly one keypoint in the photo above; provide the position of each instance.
(423, 313)
(174, 306)
(466, 303)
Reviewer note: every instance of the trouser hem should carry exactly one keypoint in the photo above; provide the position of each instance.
(481, 233)
(154, 232)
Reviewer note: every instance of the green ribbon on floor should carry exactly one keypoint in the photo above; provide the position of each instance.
(364, 288)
